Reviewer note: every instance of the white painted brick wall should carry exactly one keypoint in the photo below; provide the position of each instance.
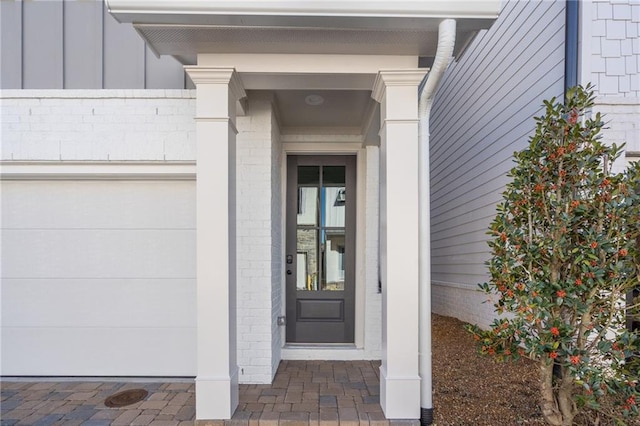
(98, 125)
(464, 302)
(373, 299)
(276, 244)
(257, 222)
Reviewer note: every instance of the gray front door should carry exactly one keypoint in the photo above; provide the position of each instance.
(320, 259)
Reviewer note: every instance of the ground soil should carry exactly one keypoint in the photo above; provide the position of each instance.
(471, 389)
(474, 390)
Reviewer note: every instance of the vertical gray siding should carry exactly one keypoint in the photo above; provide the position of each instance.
(83, 44)
(76, 44)
(42, 47)
(162, 73)
(10, 44)
(482, 113)
(124, 56)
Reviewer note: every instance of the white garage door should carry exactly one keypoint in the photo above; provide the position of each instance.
(98, 278)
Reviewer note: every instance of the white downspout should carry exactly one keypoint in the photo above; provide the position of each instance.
(446, 43)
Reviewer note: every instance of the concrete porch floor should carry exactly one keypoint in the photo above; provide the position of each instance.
(302, 393)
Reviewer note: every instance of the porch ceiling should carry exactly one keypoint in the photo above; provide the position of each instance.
(312, 109)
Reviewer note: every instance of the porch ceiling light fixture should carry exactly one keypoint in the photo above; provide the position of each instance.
(314, 100)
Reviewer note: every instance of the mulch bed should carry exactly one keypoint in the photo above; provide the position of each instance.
(474, 390)
(470, 389)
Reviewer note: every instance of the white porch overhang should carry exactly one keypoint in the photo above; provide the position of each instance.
(353, 50)
(187, 28)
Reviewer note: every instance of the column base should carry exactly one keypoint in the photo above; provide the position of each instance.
(399, 396)
(216, 398)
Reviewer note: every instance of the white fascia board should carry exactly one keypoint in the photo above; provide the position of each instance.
(127, 10)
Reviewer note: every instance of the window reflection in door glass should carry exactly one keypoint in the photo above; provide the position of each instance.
(333, 200)
(333, 260)
(307, 259)
(307, 206)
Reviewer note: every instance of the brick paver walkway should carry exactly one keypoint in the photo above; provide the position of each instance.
(302, 393)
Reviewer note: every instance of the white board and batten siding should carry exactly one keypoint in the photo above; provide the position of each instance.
(74, 44)
(483, 112)
(98, 278)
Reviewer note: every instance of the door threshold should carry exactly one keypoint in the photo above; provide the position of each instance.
(324, 352)
(319, 346)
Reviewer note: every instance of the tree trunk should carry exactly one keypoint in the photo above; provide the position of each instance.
(565, 398)
(550, 410)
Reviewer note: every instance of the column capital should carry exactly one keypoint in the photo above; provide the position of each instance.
(217, 75)
(386, 78)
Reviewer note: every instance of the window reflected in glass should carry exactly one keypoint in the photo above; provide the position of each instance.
(333, 262)
(333, 211)
(307, 206)
(307, 259)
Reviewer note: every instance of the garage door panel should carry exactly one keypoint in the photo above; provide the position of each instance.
(98, 351)
(91, 253)
(98, 278)
(98, 204)
(94, 303)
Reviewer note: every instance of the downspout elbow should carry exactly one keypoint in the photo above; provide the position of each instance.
(444, 53)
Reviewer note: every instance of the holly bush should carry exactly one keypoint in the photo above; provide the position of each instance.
(565, 261)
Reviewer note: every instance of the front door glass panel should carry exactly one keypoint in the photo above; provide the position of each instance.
(321, 228)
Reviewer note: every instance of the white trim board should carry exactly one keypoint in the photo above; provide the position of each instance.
(97, 170)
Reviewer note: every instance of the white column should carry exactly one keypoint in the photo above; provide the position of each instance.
(397, 92)
(218, 89)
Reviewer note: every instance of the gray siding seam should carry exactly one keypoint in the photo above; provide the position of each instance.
(62, 42)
